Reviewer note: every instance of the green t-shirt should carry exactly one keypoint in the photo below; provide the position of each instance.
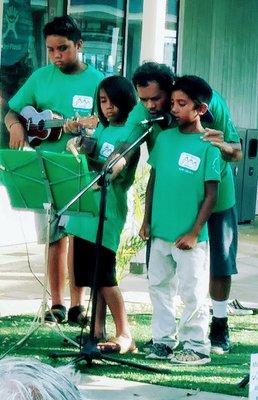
(222, 121)
(182, 163)
(49, 88)
(116, 208)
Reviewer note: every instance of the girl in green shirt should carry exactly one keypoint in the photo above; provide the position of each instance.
(115, 99)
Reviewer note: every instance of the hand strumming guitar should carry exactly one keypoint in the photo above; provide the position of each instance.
(75, 124)
(16, 130)
(17, 136)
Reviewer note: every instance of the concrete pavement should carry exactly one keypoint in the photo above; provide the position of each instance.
(102, 388)
(21, 293)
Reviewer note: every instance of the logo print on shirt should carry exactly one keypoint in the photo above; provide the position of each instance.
(189, 161)
(83, 102)
(106, 149)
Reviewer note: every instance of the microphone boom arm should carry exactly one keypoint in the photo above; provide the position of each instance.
(105, 171)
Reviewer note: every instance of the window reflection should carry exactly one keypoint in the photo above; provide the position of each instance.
(23, 48)
(134, 36)
(102, 24)
(170, 40)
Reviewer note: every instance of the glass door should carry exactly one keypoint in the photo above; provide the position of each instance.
(102, 23)
(134, 35)
(23, 46)
(171, 34)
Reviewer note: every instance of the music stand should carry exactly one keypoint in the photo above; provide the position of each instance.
(41, 180)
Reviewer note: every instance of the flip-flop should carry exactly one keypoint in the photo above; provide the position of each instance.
(120, 344)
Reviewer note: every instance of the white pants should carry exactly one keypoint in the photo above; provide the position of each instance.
(191, 283)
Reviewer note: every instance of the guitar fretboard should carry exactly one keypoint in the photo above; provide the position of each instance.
(48, 124)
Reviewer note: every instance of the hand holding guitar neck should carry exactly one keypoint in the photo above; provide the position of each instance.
(89, 122)
(76, 124)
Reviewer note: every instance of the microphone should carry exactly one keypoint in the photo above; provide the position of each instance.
(164, 120)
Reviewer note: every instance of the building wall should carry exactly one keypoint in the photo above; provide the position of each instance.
(219, 41)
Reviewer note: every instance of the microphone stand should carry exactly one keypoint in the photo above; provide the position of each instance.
(90, 351)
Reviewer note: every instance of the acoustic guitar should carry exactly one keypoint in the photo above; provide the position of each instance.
(47, 125)
(44, 125)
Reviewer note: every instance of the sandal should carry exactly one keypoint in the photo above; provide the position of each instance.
(57, 314)
(78, 315)
(120, 344)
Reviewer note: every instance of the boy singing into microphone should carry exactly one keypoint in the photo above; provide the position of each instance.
(181, 193)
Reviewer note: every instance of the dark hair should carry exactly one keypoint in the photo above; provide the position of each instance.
(121, 93)
(63, 26)
(152, 71)
(196, 88)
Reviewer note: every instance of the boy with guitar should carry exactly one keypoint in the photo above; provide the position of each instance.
(66, 86)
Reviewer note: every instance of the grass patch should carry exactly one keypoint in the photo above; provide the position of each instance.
(221, 376)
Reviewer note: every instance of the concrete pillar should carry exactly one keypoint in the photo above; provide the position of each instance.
(153, 30)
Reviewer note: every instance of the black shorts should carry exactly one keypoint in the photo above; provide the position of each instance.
(84, 264)
(222, 228)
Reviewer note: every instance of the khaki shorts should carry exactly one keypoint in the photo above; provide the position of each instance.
(57, 229)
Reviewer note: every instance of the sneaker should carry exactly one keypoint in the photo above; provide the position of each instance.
(219, 336)
(146, 348)
(189, 357)
(57, 314)
(159, 351)
(78, 315)
(236, 308)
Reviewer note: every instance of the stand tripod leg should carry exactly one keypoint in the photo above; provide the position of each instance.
(39, 319)
(19, 343)
(44, 305)
(90, 352)
(242, 384)
(35, 325)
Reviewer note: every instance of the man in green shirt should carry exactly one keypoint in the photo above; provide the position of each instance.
(153, 83)
(65, 86)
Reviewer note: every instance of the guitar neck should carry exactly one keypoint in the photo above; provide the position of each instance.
(54, 123)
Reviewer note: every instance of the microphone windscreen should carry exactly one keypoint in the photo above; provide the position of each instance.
(167, 120)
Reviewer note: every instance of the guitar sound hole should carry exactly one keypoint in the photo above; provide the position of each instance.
(41, 125)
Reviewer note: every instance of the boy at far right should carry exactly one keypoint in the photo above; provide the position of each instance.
(181, 194)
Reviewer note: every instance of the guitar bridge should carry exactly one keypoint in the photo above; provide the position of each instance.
(28, 124)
